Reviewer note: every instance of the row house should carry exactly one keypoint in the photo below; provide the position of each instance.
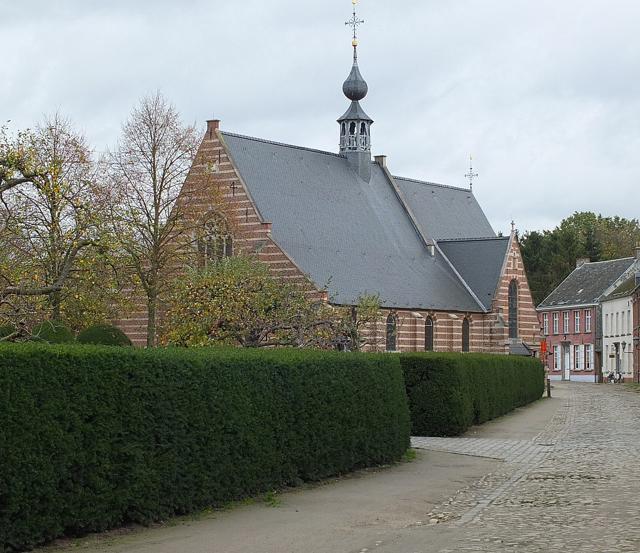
(636, 329)
(571, 318)
(618, 330)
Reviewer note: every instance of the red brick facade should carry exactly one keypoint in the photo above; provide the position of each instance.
(214, 181)
(571, 336)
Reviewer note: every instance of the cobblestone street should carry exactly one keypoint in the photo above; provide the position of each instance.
(575, 487)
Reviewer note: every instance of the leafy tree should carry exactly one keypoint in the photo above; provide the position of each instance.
(549, 256)
(49, 216)
(147, 170)
(237, 302)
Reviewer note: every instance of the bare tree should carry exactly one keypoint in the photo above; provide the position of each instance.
(147, 169)
(49, 205)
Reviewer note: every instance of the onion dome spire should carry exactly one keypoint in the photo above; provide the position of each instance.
(355, 124)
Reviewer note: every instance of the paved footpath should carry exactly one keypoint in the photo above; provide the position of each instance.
(560, 475)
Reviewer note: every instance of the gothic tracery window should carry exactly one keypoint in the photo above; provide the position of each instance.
(215, 242)
(513, 309)
(429, 328)
(392, 332)
(466, 331)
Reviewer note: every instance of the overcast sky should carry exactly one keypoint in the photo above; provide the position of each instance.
(545, 94)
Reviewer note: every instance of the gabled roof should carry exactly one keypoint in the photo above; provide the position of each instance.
(627, 288)
(587, 283)
(445, 212)
(349, 235)
(479, 261)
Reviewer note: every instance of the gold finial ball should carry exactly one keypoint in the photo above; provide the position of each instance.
(354, 2)
(354, 43)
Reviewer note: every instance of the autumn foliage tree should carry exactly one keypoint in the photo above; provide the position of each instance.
(147, 170)
(237, 302)
(48, 219)
(549, 256)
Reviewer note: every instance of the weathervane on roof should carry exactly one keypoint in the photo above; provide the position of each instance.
(471, 175)
(355, 23)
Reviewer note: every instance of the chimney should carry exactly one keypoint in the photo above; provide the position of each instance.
(381, 160)
(582, 261)
(212, 126)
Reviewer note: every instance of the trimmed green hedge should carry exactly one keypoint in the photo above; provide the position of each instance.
(103, 335)
(94, 437)
(448, 393)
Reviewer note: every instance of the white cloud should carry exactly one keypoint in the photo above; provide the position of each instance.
(544, 94)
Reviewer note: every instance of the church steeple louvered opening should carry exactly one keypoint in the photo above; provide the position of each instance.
(355, 124)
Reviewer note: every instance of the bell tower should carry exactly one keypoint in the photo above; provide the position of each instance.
(355, 124)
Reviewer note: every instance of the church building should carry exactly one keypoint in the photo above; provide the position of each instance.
(345, 223)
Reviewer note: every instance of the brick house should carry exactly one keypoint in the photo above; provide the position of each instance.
(342, 222)
(571, 318)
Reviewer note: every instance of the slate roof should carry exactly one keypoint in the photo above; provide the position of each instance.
(349, 235)
(627, 288)
(479, 262)
(445, 212)
(587, 283)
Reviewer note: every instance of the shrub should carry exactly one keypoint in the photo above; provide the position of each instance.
(6, 330)
(53, 332)
(97, 437)
(103, 335)
(450, 392)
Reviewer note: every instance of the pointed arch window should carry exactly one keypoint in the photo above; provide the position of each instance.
(363, 129)
(429, 328)
(466, 334)
(344, 129)
(215, 242)
(352, 128)
(392, 333)
(513, 309)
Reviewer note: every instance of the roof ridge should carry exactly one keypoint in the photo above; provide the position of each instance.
(477, 239)
(607, 261)
(275, 143)
(428, 183)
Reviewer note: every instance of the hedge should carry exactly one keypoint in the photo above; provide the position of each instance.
(96, 437)
(448, 393)
(103, 335)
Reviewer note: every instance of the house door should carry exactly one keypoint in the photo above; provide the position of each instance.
(566, 362)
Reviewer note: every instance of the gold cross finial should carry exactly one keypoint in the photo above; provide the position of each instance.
(355, 23)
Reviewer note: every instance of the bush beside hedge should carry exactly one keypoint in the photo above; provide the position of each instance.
(94, 437)
(448, 393)
(53, 332)
(103, 335)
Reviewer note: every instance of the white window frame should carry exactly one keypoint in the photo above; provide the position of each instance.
(556, 323)
(577, 358)
(588, 357)
(576, 322)
(556, 358)
(565, 322)
(587, 320)
(545, 324)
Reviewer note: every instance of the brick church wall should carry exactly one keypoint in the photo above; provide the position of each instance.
(214, 185)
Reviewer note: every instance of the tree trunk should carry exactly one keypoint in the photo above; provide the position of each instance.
(152, 307)
(55, 301)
